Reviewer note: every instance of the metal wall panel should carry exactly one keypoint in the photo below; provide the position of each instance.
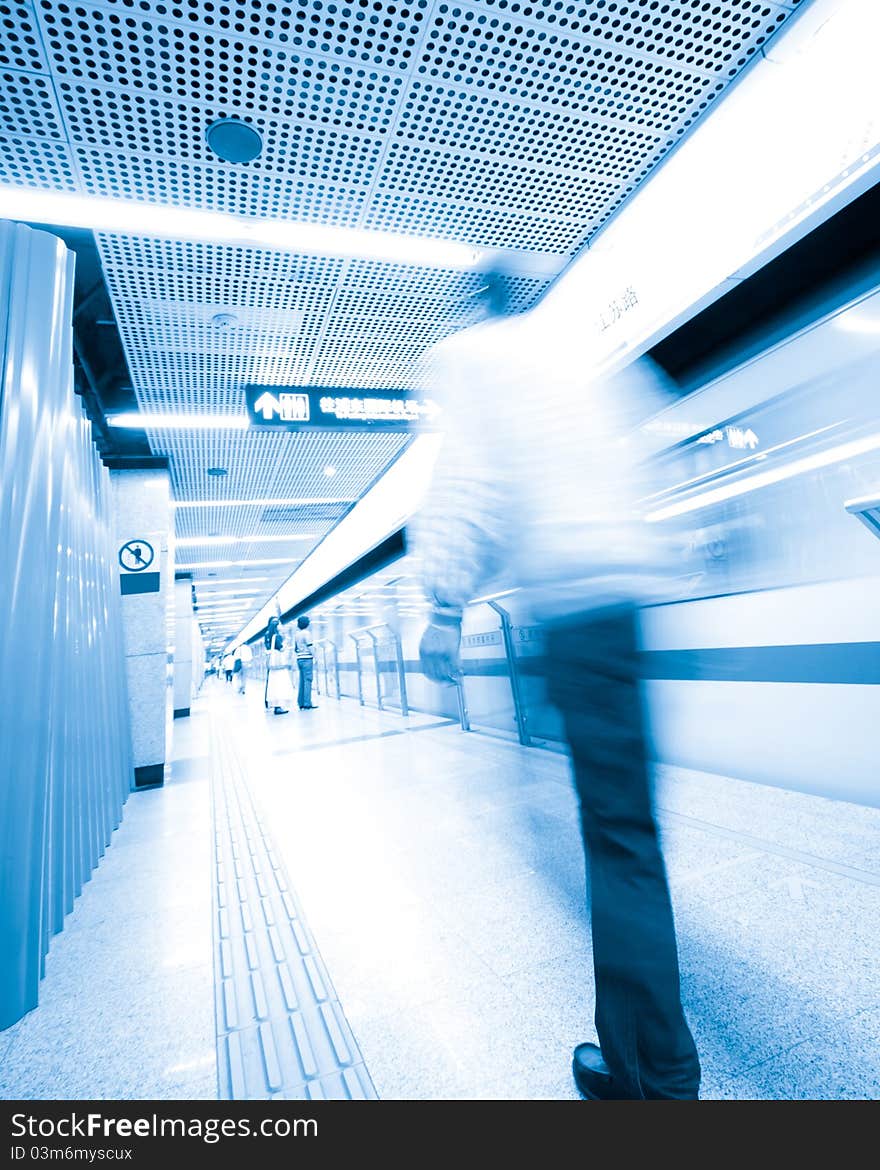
(64, 733)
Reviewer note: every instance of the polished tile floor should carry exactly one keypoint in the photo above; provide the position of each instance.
(441, 877)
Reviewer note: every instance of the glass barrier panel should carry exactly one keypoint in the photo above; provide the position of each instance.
(486, 673)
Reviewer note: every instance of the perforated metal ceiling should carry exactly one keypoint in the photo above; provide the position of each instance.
(499, 123)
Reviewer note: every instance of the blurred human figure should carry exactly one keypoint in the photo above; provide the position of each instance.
(305, 661)
(243, 657)
(279, 688)
(539, 480)
(228, 666)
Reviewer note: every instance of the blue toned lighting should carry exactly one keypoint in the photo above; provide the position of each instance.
(263, 502)
(134, 420)
(764, 478)
(99, 213)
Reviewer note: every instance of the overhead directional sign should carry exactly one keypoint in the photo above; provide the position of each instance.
(329, 408)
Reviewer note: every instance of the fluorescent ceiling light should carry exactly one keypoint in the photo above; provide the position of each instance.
(266, 502)
(230, 593)
(130, 217)
(229, 564)
(252, 539)
(837, 454)
(230, 605)
(210, 582)
(138, 421)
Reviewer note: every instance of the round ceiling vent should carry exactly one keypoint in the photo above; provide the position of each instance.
(234, 141)
(224, 320)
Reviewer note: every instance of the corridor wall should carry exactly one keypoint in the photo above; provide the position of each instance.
(65, 768)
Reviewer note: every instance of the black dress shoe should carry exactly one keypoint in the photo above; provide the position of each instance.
(593, 1077)
(280, 711)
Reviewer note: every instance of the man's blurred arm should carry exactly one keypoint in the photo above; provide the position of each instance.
(461, 530)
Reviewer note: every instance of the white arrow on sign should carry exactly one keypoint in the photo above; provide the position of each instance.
(267, 405)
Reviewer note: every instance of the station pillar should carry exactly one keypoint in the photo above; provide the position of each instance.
(143, 526)
(183, 646)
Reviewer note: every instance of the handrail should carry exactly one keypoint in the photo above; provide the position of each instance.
(510, 653)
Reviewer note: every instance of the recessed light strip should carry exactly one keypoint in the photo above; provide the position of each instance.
(213, 227)
(141, 421)
(212, 593)
(210, 582)
(253, 538)
(183, 568)
(264, 502)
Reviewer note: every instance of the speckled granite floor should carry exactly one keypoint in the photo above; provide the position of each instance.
(442, 879)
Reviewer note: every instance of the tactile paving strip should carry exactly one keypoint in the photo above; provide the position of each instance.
(281, 1032)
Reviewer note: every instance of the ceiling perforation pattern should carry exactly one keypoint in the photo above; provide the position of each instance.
(200, 276)
(155, 180)
(692, 32)
(559, 134)
(302, 457)
(20, 45)
(244, 520)
(32, 162)
(28, 106)
(510, 124)
(108, 118)
(506, 229)
(368, 32)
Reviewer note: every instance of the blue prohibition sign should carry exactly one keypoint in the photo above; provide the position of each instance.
(136, 555)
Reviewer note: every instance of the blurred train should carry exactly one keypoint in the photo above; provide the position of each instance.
(765, 664)
(767, 668)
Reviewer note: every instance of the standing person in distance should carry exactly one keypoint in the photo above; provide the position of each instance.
(279, 688)
(228, 666)
(243, 658)
(538, 485)
(305, 661)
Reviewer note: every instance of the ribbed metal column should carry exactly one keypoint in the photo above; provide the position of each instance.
(64, 732)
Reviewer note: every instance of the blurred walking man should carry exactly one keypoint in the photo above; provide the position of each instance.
(537, 484)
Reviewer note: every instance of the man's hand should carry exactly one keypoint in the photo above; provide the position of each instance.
(439, 649)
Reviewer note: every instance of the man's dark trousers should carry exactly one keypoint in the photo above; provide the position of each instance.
(306, 668)
(594, 678)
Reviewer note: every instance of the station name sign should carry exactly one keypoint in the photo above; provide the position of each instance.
(324, 408)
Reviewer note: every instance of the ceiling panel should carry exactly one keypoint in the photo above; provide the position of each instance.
(20, 43)
(511, 124)
(263, 464)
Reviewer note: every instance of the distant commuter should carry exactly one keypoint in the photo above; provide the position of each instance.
(539, 480)
(305, 661)
(279, 688)
(228, 666)
(242, 657)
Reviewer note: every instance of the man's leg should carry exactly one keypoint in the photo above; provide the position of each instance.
(594, 679)
(307, 668)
